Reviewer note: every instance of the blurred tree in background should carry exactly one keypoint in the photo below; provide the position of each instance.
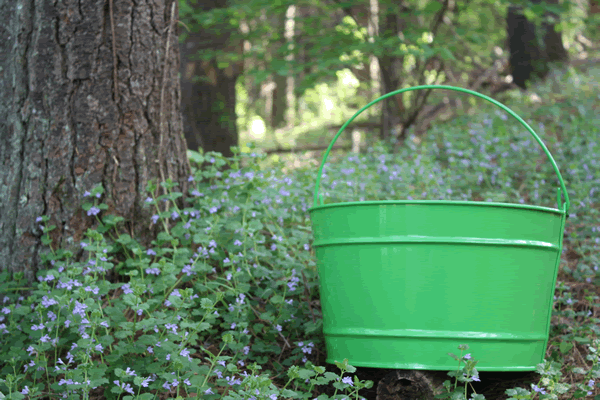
(532, 47)
(208, 83)
(280, 53)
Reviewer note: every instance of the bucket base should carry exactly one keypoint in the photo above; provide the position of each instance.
(431, 353)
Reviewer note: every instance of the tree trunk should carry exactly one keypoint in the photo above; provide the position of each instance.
(290, 98)
(391, 70)
(208, 88)
(553, 44)
(523, 46)
(278, 103)
(72, 116)
(530, 54)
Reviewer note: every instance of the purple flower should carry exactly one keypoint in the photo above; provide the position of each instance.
(93, 211)
(79, 309)
(25, 391)
(273, 396)
(131, 372)
(347, 380)
(467, 356)
(154, 218)
(278, 327)
(86, 194)
(146, 381)
(150, 252)
(208, 391)
(538, 389)
(126, 289)
(174, 215)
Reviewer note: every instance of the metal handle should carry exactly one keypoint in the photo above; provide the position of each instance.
(560, 190)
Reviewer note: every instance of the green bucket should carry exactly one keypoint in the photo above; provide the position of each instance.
(405, 282)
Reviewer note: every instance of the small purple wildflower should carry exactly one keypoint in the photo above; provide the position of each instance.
(538, 389)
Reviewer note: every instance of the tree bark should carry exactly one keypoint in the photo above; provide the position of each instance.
(208, 88)
(553, 44)
(523, 48)
(391, 71)
(278, 104)
(528, 56)
(67, 125)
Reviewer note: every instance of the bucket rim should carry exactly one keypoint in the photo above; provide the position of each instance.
(439, 202)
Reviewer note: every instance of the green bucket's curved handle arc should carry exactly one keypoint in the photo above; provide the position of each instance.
(562, 188)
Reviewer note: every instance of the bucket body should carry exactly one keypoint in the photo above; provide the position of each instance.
(403, 283)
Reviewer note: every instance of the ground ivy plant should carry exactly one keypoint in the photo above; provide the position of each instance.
(223, 304)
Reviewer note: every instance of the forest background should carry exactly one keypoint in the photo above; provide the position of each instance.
(135, 268)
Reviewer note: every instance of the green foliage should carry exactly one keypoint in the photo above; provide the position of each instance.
(224, 303)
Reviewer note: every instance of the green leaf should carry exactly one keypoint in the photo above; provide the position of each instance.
(565, 347)
(433, 7)
(305, 374)
(447, 54)
(123, 334)
(289, 393)
(582, 339)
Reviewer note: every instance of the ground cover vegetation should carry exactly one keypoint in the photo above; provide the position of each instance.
(225, 305)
